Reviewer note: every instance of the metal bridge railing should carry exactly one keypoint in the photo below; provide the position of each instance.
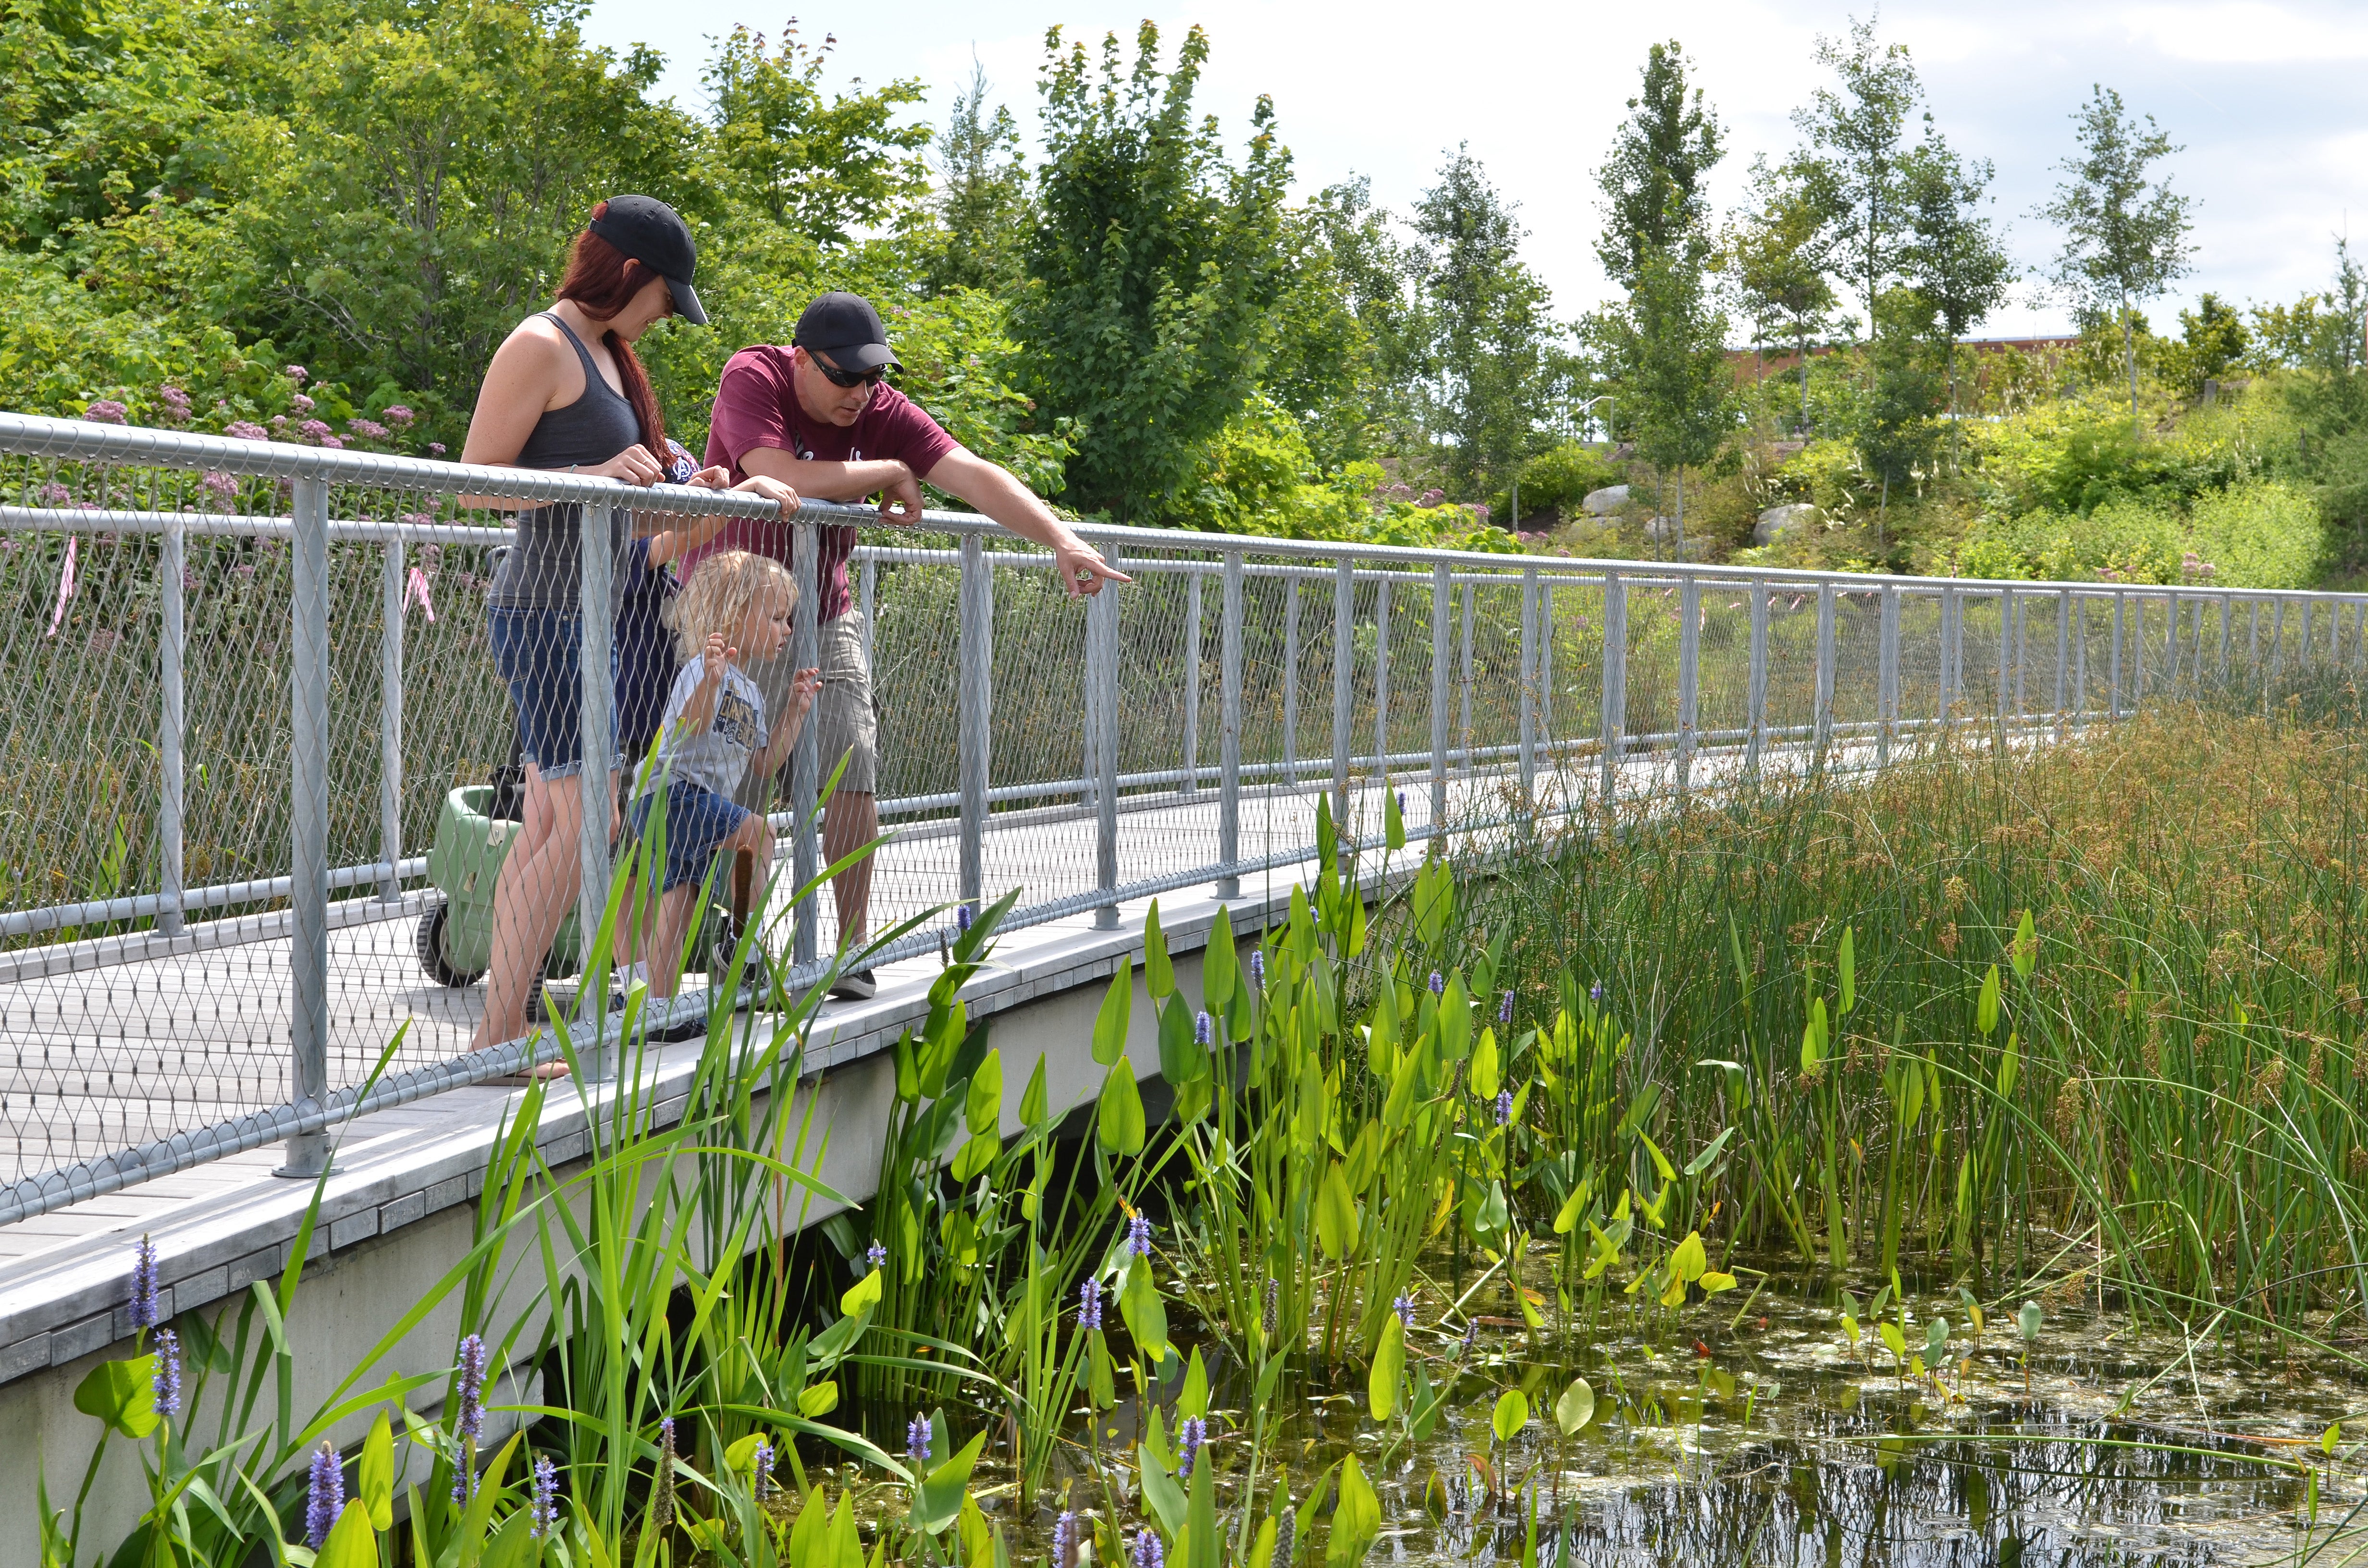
(245, 680)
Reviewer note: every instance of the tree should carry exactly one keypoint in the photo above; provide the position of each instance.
(1774, 257)
(1491, 354)
(821, 165)
(2212, 341)
(1856, 164)
(2124, 239)
(1652, 182)
(1953, 258)
(982, 199)
(1339, 354)
(1667, 347)
(1152, 270)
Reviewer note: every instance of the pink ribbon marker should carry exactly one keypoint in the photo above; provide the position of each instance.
(416, 590)
(65, 585)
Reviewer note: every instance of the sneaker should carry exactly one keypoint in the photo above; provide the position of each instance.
(855, 985)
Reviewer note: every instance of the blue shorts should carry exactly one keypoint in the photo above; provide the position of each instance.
(697, 822)
(539, 653)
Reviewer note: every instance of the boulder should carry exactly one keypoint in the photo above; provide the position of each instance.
(1778, 520)
(1603, 502)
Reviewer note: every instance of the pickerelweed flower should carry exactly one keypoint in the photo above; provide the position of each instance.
(917, 1439)
(1148, 1552)
(964, 915)
(1272, 1317)
(1204, 1029)
(1595, 992)
(166, 1384)
(145, 1313)
(469, 1419)
(1138, 1235)
(106, 410)
(1258, 968)
(1437, 984)
(1505, 1009)
(761, 1470)
(324, 1495)
(876, 1256)
(1065, 1540)
(662, 1508)
(542, 1508)
(1471, 1334)
(1404, 1307)
(1504, 1107)
(1190, 1436)
(1089, 1304)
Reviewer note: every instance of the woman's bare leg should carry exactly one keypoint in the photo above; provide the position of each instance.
(666, 945)
(537, 883)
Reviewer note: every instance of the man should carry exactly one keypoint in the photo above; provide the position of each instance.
(818, 416)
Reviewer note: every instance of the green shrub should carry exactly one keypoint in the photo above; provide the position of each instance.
(2262, 534)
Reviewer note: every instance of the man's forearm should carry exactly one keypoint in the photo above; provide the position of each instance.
(991, 488)
(824, 481)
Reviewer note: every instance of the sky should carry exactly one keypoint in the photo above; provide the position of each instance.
(2263, 96)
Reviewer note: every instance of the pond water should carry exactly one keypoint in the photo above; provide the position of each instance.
(1755, 1433)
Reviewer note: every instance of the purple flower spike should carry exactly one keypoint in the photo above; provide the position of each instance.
(543, 1509)
(1404, 1307)
(964, 915)
(1504, 1107)
(1595, 992)
(1505, 1009)
(1065, 1540)
(917, 1439)
(145, 1313)
(1189, 1438)
(470, 1418)
(1148, 1552)
(1089, 1304)
(1138, 1236)
(876, 1256)
(325, 1496)
(1258, 968)
(1437, 984)
(166, 1384)
(761, 1469)
(1204, 1029)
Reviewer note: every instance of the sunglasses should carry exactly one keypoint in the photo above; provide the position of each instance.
(848, 379)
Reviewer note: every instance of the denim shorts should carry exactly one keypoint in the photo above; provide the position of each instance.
(697, 822)
(538, 652)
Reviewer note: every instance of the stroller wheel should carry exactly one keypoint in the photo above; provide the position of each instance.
(431, 952)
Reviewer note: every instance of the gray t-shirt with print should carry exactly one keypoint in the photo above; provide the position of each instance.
(715, 758)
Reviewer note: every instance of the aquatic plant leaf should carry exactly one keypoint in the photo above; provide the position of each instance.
(1118, 1121)
(1336, 1215)
(1182, 1058)
(1701, 1162)
(1512, 1414)
(1111, 1023)
(1035, 1100)
(1356, 1521)
(1893, 1339)
(1715, 1282)
(1220, 965)
(1158, 972)
(1846, 971)
(970, 1528)
(2024, 950)
(1454, 1019)
(862, 1296)
(1165, 1499)
(1986, 1006)
(982, 1106)
(1576, 1408)
(374, 1474)
(1392, 822)
(1146, 1315)
(122, 1394)
(1433, 901)
(1388, 1370)
(1102, 1381)
(936, 1502)
(352, 1543)
(1690, 1259)
(818, 1400)
(1483, 1074)
(1424, 1404)
(1193, 1398)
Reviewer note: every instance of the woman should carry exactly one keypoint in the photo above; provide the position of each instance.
(565, 393)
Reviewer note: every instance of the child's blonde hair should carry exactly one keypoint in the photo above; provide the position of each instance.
(717, 598)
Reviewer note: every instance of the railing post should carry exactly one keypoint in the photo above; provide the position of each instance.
(806, 758)
(1825, 719)
(308, 899)
(1463, 706)
(2022, 650)
(1615, 682)
(974, 655)
(2113, 681)
(597, 610)
(1689, 675)
(1191, 684)
(2170, 646)
(1951, 611)
(1382, 676)
(1102, 610)
(2080, 656)
(2302, 638)
(1291, 679)
(389, 723)
(1442, 591)
(1229, 674)
(1344, 649)
(2227, 627)
(1887, 675)
(1529, 695)
(2063, 650)
(2006, 647)
(172, 799)
(2137, 655)
(1545, 672)
(2278, 641)
(867, 590)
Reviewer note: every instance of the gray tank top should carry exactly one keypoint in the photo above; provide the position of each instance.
(543, 571)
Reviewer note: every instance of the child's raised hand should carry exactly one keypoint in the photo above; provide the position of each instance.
(716, 656)
(804, 687)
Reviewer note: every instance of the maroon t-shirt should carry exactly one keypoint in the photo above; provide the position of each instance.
(757, 405)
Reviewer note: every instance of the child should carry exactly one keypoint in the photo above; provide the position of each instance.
(737, 607)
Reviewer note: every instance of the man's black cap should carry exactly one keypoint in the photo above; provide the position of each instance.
(846, 328)
(654, 234)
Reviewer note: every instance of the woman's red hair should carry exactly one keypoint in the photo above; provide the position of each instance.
(603, 280)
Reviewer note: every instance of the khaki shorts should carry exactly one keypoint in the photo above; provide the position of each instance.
(845, 723)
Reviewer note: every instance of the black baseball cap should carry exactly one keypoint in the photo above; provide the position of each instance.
(846, 327)
(654, 234)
